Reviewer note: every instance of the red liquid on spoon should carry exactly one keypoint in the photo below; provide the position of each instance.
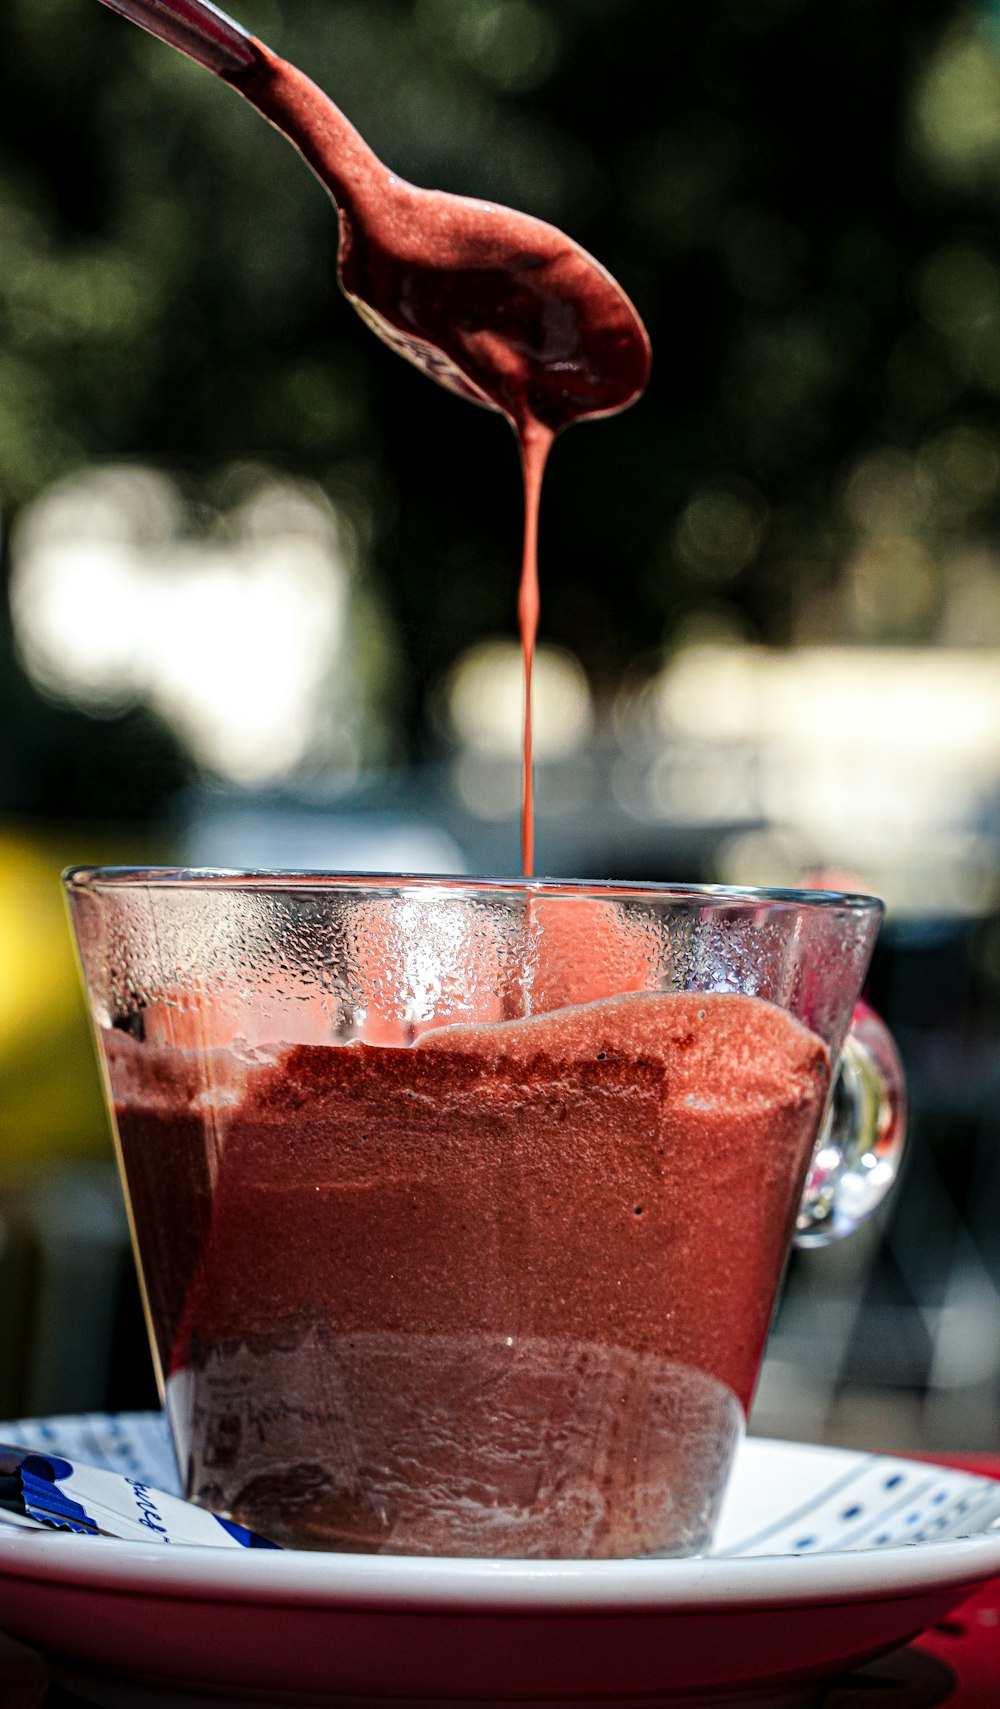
(501, 308)
(498, 306)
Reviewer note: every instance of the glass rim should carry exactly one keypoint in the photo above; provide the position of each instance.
(263, 880)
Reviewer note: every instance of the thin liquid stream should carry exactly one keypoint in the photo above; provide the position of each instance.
(536, 443)
(495, 305)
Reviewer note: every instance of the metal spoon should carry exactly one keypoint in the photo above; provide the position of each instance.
(499, 306)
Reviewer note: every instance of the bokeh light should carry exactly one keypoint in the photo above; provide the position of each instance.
(242, 635)
(485, 701)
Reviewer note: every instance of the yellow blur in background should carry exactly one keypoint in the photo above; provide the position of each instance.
(51, 1102)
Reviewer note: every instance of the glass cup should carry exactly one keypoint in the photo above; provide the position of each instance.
(460, 1207)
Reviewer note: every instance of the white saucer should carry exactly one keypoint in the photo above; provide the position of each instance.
(824, 1557)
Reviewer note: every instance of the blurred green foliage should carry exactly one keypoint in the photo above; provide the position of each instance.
(801, 198)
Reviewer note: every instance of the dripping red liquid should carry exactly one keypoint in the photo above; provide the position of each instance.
(496, 305)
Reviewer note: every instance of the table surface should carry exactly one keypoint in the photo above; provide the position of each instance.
(956, 1662)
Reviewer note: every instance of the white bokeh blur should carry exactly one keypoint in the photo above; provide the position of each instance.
(241, 633)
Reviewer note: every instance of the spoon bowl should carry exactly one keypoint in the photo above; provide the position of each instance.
(494, 304)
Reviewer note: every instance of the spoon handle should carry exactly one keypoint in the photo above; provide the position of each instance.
(196, 28)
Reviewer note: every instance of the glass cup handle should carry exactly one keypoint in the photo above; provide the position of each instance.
(858, 1153)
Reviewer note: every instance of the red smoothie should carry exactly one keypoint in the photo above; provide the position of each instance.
(493, 1289)
(504, 1291)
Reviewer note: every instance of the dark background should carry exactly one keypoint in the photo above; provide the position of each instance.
(754, 174)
